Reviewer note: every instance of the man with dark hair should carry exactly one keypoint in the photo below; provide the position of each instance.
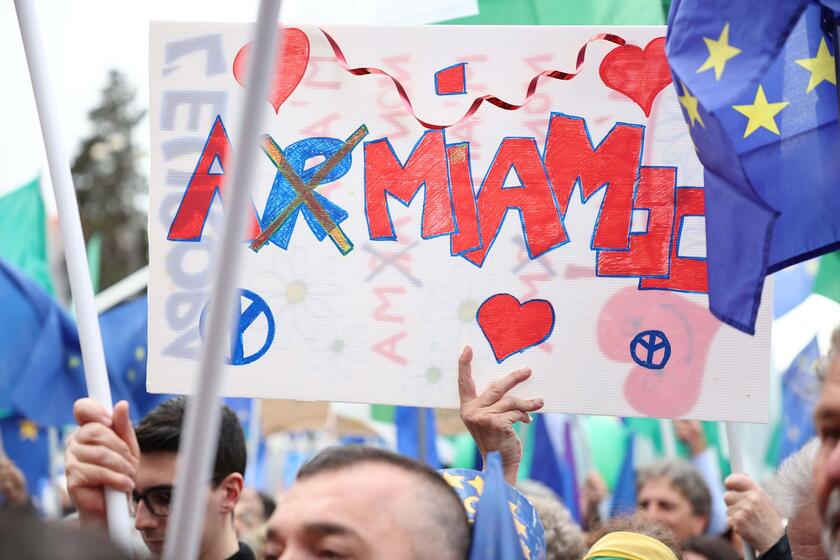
(367, 503)
(106, 451)
(672, 492)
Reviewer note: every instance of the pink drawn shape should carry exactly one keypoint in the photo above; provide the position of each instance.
(512, 327)
(638, 74)
(292, 59)
(672, 391)
(451, 80)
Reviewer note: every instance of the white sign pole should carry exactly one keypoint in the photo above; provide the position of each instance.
(199, 437)
(93, 356)
(736, 460)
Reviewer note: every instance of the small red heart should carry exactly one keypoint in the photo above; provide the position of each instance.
(512, 327)
(291, 63)
(638, 74)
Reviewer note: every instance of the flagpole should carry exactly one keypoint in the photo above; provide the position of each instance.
(200, 433)
(669, 442)
(254, 435)
(52, 445)
(93, 356)
(736, 460)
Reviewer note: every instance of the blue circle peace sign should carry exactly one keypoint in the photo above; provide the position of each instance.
(247, 317)
(650, 349)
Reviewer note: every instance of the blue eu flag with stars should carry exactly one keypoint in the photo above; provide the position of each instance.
(758, 87)
(26, 444)
(800, 390)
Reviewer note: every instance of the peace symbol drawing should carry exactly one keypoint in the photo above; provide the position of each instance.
(246, 319)
(650, 349)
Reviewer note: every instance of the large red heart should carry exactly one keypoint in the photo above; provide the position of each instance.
(638, 74)
(291, 63)
(512, 327)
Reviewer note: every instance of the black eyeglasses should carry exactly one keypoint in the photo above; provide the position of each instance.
(157, 500)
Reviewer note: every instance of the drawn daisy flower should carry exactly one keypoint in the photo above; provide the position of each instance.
(299, 288)
(453, 302)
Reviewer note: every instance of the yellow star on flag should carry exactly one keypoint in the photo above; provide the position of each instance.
(478, 484)
(139, 353)
(821, 67)
(761, 114)
(73, 362)
(689, 102)
(453, 480)
(520, 527)
(28, 430)
(720, 51)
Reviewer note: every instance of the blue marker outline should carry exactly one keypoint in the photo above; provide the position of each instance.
(666, 344)
(238, 359)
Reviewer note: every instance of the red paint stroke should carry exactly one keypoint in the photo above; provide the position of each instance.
(674, 390)
(292, 59)
(512, 327)
(476, 103)
(638, 74)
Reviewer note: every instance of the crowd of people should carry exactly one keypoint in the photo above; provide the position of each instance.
(361, 502)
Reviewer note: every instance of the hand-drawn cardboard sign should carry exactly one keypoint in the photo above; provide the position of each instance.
(558, 225)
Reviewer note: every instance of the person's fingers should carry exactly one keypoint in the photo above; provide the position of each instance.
(733, 498)
(512, 417)
(739, 482)
(500, 387)
(104, 457)
(85, 475)
(466, 385)
(88, 410)
(124, 429)
(510, 402)
(97, 434)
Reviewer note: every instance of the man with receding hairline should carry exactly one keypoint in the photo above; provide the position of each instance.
(359, 502)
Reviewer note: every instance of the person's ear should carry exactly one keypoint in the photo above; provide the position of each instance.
(231, 490)
(700, 523)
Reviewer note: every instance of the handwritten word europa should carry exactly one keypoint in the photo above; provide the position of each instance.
(472, 219)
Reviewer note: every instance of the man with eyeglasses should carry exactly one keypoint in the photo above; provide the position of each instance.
(106, 451)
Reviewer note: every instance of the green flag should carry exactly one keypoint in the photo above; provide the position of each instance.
(567, 12)
(827, 282)
(24, 234)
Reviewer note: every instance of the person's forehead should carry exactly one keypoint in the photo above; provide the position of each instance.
(828, 405)
(156, 469)
(661, 486)
(364, 495)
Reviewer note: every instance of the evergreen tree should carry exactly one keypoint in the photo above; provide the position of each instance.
(110, 190)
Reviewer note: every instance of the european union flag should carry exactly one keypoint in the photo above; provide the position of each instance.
(495, 536)
(27, 446)
(407, 419)
(759, 89)
(800, 390)
(124, 338)
(40, 359)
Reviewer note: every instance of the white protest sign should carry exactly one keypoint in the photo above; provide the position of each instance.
(566, 235)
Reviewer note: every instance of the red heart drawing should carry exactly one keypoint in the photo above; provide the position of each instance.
(292, 62)
(512, 327)
(638, 74)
